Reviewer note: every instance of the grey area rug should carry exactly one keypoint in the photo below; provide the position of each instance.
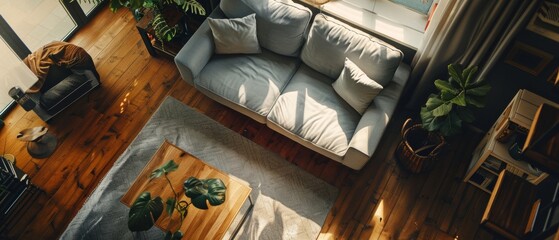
(289, 202)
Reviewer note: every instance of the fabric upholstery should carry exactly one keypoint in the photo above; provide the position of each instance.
(61, 53)
(251, 81)
(309, 108)
(293, 98)
(235, 35)
(377, 59)
(355, 87)
(235, 8)
(197, 51)
(370, 129)
(61, 90)
(54, 76)
(281, 25)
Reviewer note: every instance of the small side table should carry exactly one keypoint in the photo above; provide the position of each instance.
(40, 143)
(510, 211)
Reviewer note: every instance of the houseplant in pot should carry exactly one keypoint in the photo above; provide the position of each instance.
(163, 31)
(145, 210)
(443, 115)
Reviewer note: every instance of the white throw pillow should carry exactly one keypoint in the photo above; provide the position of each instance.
(355, 87)
(235, 35)
(330, 41)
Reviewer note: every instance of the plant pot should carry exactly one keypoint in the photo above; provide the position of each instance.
(419, 148)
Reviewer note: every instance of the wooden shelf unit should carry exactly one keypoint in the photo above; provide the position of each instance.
(492, 156)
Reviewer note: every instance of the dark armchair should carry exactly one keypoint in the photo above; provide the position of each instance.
(65, 73)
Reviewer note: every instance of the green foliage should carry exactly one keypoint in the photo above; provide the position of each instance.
(145, 211)
(192, 5)
(212, 190)
(166, 168)
(447, 111)
(173, 236)
(163, 31)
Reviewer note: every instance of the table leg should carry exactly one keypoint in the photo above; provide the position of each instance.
(249, 210)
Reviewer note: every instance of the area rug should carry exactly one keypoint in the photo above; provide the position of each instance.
(289, 202)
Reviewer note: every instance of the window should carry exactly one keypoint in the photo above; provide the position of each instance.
(400, 20)
(421, 6)
(26, 25)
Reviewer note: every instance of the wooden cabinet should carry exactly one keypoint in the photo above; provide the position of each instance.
(492, 154)
(512, 207)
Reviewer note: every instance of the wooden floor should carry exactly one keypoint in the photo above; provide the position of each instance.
(379, 202)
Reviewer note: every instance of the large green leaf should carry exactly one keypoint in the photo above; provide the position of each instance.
(433, 102)
(447, 96)
(468, 74)
(451, 125)
(212, 190)
(428, 121)
(479, 91)
(192, 5)
(476, 101)
(173, 236)
(170, 205)
(445, 86)
(442, 110)
(162, 29)
(455, 73)
(163, 169)
(460, 99)
(144, 212)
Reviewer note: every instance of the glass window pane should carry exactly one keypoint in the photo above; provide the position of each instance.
(13, 72)
(421, 6)
(37, 22)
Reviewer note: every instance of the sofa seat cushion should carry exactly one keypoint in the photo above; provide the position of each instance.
(310, 108)
(331, 41)
(252, 81)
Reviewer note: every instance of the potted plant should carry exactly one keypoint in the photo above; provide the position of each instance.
(163, 31)
(443, 115)
(145, 210)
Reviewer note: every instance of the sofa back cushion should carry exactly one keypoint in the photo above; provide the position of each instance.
(331, 41)
(280, 24)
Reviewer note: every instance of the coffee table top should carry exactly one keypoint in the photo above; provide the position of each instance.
(198, 224)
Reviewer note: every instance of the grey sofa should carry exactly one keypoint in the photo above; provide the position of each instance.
(288, 86)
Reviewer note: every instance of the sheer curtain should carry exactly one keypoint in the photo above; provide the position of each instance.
(469, 32)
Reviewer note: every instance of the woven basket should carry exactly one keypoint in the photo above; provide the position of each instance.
(419, 148)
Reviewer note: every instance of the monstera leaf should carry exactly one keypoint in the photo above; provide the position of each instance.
(173, 236)
(144, 212)
(212, 190)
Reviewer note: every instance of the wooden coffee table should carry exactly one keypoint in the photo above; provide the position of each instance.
(212, 223)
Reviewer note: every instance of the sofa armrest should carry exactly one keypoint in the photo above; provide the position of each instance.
(371, 127)
(196, 53)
